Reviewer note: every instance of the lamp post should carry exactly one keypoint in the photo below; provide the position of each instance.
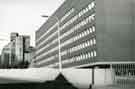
(59, 44)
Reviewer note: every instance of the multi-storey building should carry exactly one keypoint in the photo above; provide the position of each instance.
(93, 33)
(5, 56)
(77, 33)
(26, 40)
(18, 50)
(30, 54)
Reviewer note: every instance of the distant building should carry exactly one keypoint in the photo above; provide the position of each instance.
(0, 62)
(13, 60)
(18, 50)
(30, 54)
(26, 40)
(13, 36)
(6, 56)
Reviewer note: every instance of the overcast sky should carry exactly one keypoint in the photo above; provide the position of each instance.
(24, 17)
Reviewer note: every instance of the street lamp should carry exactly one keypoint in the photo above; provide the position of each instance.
(59, 44)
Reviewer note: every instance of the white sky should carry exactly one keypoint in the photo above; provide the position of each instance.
(24, 17)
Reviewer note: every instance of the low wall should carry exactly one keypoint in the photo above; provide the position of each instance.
(103, 77)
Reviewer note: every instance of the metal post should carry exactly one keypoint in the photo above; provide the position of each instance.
(60, 63)
(112, 73)
(93, 76)
(59, 44)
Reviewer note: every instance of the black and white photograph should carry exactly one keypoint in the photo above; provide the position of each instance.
(67, 44)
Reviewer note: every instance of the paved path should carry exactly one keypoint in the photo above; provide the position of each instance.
(112, 87)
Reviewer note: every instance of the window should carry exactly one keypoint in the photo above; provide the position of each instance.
(88, 42)
(81, 57)
(93, 28)
(79, 14)
(82, 34)
(80, 46)
(89, 55)
(95, 53)
(67, 14)
(93, 17)
(86, 9)
(83, 45)
(85, 33)
(79, 36)
(92, 54)
(89, 6)
(125, 70)
(90, 18)
(90, 30)
(91, 42)
(94, 41)
(92, 4)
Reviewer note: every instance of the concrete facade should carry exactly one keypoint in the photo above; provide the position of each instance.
(113, 22)
(77, 28)
(97, 34)
(115, 32)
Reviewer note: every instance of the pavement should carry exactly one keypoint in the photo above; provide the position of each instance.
(113, 87)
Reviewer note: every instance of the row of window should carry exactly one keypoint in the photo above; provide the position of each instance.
(89, 7)
(82, 23)
(49, 37)
(76, 48)
(63, 18)
(69, 22)
(79, 25)
(48, 52)
(87, 43)
(85, 56)
(125, 70)
(49, 44)
(47, 31)
(92, 29)
(48, 59)
(85, 33)
(88, 31)
(82, 12)
(53, 33)
(67, 14)
(56, 31)
(53, 65)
